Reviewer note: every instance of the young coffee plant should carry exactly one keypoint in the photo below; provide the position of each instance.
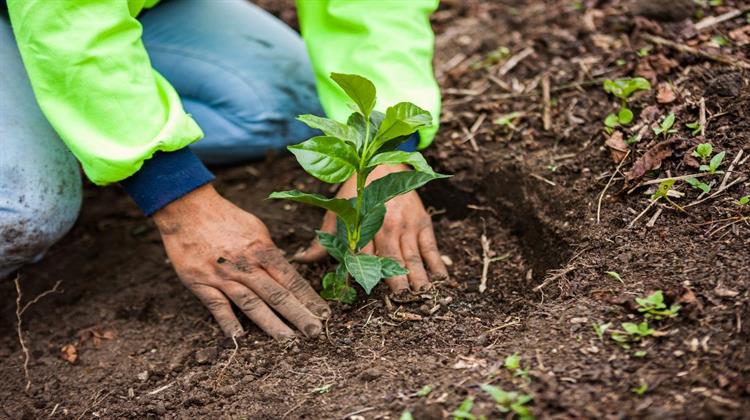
(369, 138)
(623, 89)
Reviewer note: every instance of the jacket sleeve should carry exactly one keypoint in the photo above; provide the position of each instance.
(94, 82)
(388, 41)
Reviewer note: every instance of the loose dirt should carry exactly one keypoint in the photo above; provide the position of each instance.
(145, 347)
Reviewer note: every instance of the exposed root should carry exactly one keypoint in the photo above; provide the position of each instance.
(220, 376)
(19, 321)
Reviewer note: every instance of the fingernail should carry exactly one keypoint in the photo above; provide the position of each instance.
(323, 312)
(312, 330)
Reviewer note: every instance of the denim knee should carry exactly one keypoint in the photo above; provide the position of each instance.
(35, 215)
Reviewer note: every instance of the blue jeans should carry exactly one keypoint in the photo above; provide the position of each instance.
(242, 74)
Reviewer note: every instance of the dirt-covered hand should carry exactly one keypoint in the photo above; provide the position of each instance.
(407, 236)
(224, 254)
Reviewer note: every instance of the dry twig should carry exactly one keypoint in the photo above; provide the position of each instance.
(601, 196)
(720, 58)
(547, 106)
(19, 312)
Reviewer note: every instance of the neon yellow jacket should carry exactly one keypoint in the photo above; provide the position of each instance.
(94, 82)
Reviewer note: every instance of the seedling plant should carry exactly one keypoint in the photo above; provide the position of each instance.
(368, 139)
(623, 89)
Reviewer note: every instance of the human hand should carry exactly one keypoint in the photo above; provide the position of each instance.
(406, 236)
(224, 254)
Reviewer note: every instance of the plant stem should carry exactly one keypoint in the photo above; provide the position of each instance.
(361, 178)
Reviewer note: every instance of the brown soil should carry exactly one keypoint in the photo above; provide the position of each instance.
(147, 348)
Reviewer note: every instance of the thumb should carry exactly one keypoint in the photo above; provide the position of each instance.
(316, 252)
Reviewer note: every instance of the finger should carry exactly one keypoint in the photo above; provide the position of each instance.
(316, 252)
(429, 250)
(417, 274)
(280, 270)
(255, 309)
(387, 246)
(369, 248)
(282, 301)
(220, 309)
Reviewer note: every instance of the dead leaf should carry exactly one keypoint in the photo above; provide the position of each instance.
(741, 35)
(69, 353)
(724, 292)
(468, 362)
(95, 334)
(652, 159)
(688, 297)
(605, 42)
(617, 147)
(665, 94)
(645, 70)
(662, 64)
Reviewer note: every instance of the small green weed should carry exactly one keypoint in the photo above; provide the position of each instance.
(513, 364)
(703, 151)
(600, 329)
(653, 306)
(508, 402)
(744, 200)
(632, 333)
(641, 389)
(695, 183)
(665, 126)
(623, 89)
(695, 126)
(463, 412)
(425, 391)
(714, 163)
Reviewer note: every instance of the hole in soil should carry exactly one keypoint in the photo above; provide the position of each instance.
(529, 212)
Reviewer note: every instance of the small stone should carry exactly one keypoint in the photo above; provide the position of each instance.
(143, 376)
(579, 320)
(666, 11)
(727, 85)
(370, 374)
(446, 260)
(206, 356)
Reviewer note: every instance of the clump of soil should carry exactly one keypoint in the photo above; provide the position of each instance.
(146, 348)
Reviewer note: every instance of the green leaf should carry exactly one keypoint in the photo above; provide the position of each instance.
(365, 269)
(361, 90)
(513, 362)
(406, 415)
(357, 122)
(400, 120)
(464, 410)
(370, 225)
(497, 394)
(383, 189)
(414, 159)
(625, 116)
(391, 268)
(329, 159)
(333, 245)
(342, 208)
(624, 88)
(615, 275)
(330, 127)
(425, 391)
(743, 200)
(699, 185)
(715, 162)
(611, 121)
(630, 328)
(335, 287)
(703, 150)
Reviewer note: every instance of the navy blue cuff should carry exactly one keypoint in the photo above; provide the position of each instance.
(410, 145)
(164, 178)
